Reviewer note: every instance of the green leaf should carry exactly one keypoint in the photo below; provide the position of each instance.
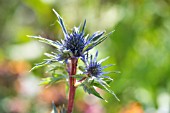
(94, 92)
(64, 54)
(117, 72)
(103, 85)
(84, 25)
(79, 75)
(56, 44)
(81, 68)
(52, 80)
(45, 81)
(102, 60)
(41, 64)
(49, 55)
(54, 67)
(87, 47)
(96, 35)
(98, 41)
(108, 81)
(60, 20)
(91, 90)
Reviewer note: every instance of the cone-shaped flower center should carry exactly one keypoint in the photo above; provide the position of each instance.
(94, 69)
(75, 43)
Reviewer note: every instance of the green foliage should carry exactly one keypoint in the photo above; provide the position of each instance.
(79, 76)
(53, 68)
(54, 79)
(90, 89)
(103, 83)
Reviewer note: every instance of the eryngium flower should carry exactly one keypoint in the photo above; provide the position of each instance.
(75, 44)
(95, 76)
(94, 68)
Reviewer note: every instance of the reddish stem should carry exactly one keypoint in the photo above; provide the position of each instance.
(72, 67)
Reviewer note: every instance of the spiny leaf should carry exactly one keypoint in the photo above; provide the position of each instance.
(117, 72)
(100, 39)
(79, 75)
(45, 81)
(95, 36)
(83, 26)
(108, 81)
(97, 40)
(47, 41)
(81, 68)
(87, 47)
(102, 85)
(41, 64)
(102, 60)
(60, 20)
(107, 66)
(53, 68)
(95, 43)
(91, 90)
(49, 55)
(51, 80)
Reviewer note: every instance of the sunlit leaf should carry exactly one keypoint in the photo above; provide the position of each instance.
(91, 90)
(41, 65)
(47, 41)
(103, 85)
(81, 68)
(79, 75)
(60, 20)
(52, 80)
(56, 67)
(102, 60)
(95, 36)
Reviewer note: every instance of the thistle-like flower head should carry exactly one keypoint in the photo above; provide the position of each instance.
(94, 68)
(95, 75)
(75, 44)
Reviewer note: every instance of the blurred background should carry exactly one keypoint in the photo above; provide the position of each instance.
(140, 48)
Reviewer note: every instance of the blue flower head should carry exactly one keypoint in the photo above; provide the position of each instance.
(95, 76)
(94, 68)
(75, 44)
